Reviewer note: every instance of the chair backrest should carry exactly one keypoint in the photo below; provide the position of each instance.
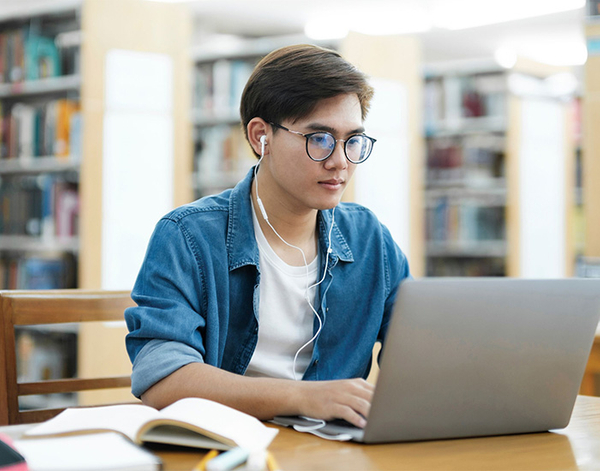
(20, 308)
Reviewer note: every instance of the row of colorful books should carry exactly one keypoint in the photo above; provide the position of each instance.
(26, 55)
(467, 221)
(53, 128)
(221, 151)
(219, 86)
(478, 156)
(45, 205)
(455, 97)
(44, 355)
(469, 266)
(38, 272)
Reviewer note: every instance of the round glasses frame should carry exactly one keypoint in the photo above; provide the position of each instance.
(345, 141)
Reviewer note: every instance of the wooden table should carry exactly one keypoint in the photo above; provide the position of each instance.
(576, 447)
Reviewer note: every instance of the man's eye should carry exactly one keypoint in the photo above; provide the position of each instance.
(322, 140)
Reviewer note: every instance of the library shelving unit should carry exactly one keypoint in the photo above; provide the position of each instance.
(222, 156)
(40, 161)
(119, 70)
(500, 171)
(40, 148)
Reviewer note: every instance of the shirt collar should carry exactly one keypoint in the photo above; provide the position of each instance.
(241, 242)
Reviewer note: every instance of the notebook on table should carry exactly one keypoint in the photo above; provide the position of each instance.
(468, 357)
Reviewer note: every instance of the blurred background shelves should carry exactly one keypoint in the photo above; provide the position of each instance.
(38, 165)
(499, 144)
(40, 147)
(44, 86)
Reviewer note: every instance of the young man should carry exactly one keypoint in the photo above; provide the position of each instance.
(244, 293)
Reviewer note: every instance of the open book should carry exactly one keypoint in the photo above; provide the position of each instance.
(191, 422)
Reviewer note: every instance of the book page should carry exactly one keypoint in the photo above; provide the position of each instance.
(176, 435)
(246, 431)
(101, 451)
(126, 419)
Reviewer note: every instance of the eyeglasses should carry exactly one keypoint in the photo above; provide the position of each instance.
(320, 145)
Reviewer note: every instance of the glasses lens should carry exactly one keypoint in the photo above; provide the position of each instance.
(320, 145)
(358, 148)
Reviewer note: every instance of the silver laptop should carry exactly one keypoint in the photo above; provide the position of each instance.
(471, 357)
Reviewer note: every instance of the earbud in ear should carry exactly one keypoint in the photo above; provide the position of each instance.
(263, 142)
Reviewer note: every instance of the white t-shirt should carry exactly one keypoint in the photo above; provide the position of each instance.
(285, 318)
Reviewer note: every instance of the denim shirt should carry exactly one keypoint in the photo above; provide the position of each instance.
(198, 288)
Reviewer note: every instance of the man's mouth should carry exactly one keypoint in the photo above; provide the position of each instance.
(332, 184)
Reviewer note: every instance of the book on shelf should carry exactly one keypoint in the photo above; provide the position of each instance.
(42, 273)
(26, 55)
(12, 44)
(464, 221)
(41, 205)
(219, 86)
(42, 57)
(223, 157)
(36, 130)
(475, 160)
(192, 422)
(466, 266)
(45, 353)
(450, 99)
(38, 271)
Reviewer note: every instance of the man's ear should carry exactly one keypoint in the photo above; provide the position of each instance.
(257, 128)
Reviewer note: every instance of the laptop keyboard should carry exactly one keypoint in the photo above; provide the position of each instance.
(342, 423)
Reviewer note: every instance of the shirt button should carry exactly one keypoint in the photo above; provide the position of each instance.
(327, 309)
(316, 362)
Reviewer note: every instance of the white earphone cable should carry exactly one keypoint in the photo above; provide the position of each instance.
(308, 288)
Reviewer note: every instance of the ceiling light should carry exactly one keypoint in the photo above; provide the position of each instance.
(506, 58)
(382, 18)
(564, 84)
(323, 29)
(462, 14)
(394, 19)
(559, 53)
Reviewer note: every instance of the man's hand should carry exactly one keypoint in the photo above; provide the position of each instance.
(348, 399)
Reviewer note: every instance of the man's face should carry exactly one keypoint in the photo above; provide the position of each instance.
(301, 183)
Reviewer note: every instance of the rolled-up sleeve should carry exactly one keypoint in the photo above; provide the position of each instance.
(157, 360)
(166, 328)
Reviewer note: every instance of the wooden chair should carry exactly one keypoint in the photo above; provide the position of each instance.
(19, 308)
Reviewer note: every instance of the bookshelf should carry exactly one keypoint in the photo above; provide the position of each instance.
(222, 156)
(40, 149)
(499, 186)
(40, 162)
(124, 163)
